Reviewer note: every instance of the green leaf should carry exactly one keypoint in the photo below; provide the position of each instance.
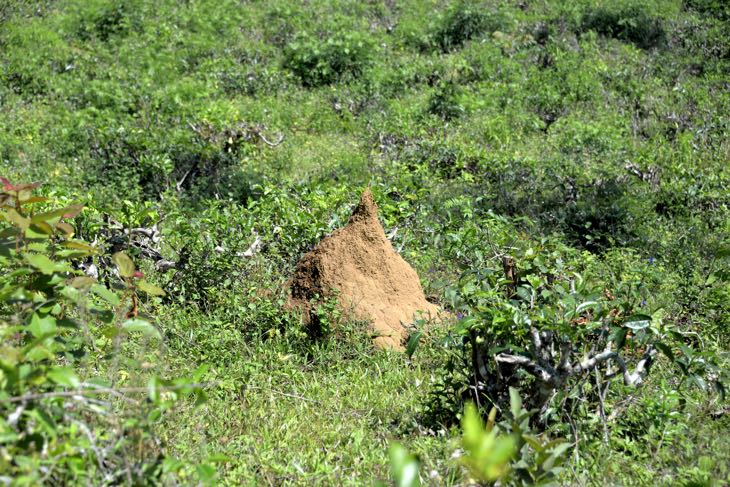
(413, 340)
(42, 326)
(666, 350)
(515, 402)
(124, 264)
(638, 322)
(138, 325)
(65, 228)
(150, 288)
(41, 228)
(104, 293)
(403, 466)
(83, 246)
(17, 219)
(206, 472)
(46, 265)
(64, 376)
(153, 389)
(67, 212)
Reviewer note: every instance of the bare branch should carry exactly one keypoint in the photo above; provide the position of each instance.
(79, 394)
(531, 367)
(271, 144)
(566, 350)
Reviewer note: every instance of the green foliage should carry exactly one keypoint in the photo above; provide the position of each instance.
(343, 56)
(62, 422)
(628, 21)
(445, 101)
(465, 21)
(510, 451)
(716, 8)
(404, 466)
(486, 453)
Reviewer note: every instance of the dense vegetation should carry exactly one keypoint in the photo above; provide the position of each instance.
(556, 171)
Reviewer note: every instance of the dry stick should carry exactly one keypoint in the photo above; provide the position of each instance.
(601, 406)
(281, 393)
(102, 390)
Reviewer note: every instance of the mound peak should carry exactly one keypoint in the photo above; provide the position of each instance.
(374, 283)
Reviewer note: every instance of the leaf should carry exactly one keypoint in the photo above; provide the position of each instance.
(150, 288)
(666, 350)
(104, 293)
(41, 227)
(206, 472)
(413, 340)
(76, 245)
(17, 219)
(153, 389)
(137, 325)
(41, 326)
(33, 199)
(46, 265)
(124, 264)
(618, 336)
(65, 228)
(82, 282)
(584, 306)
(515, 402)
(67, 212)
(638, 322)
(64, 376)
(720, 389)
(403, 466)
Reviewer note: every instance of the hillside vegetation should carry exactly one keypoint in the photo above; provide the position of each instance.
(556, 171)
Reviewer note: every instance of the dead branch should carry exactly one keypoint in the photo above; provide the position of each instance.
(91, 389)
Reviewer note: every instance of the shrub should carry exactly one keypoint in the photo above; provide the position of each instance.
(627, 22)
(64, 416)
(340, 57)
(715, 8)
(463, 22)
(537, 324)
(445, 101)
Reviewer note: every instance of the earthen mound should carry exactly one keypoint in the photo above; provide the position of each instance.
(373, 281)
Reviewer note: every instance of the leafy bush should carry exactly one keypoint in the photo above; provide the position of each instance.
(465, 21)
(509, 452)
(626, 21)
(62, 420)
(539, 325)
(340, 57)
(715, 8)
(445, 101)
(105, 19)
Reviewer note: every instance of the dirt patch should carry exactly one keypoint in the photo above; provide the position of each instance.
(373, 281)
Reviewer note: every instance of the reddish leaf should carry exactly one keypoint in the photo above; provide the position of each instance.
(7, 185)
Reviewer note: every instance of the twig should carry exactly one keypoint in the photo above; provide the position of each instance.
(271, 144)
(118, 392)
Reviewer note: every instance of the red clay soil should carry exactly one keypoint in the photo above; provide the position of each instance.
(374, 282)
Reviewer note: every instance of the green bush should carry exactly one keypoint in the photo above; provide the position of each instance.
(716, 8)
(465, 21)
(62, 420)
(626, 21)
(342, 56)
(445, 101)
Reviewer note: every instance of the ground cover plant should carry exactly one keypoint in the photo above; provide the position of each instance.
(557, 172)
